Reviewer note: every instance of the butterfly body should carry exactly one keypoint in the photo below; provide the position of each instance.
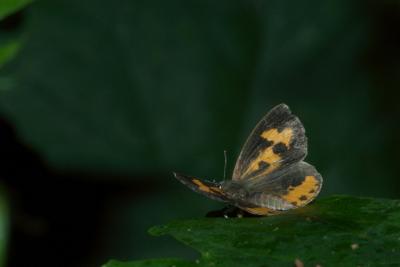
(235, 191)
(270, 175)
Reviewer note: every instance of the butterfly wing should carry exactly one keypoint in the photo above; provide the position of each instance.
(286, 189)
(276, 142)
(207, 188)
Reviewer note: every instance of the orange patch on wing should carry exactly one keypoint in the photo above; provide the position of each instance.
(216, 189)
(205, 188)
(301, 194)
(268, 155)
(259, 211)
(277, 137)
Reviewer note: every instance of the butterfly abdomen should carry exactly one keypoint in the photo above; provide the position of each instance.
(270, 201)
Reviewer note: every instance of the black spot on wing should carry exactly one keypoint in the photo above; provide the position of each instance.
(264, 143)
(257, 144)
(303, 198)
(293, 181)
(279, 148)
(262, 166)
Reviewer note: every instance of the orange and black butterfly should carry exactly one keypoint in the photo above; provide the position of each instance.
(270, 175)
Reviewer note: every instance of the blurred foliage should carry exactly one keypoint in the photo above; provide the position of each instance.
(4, 227)
(156, 86)
(335, 231)
(146, 87)
(9, 42)
(8, 7)
(8, 51)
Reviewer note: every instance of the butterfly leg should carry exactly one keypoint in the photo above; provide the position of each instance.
(230, 212)
(227, 212)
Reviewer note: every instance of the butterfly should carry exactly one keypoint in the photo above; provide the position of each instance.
(270, 175)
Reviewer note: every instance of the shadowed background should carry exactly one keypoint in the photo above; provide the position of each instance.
(100, 102)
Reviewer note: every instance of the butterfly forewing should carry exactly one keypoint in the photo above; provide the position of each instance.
(207, 188)
(276, 142)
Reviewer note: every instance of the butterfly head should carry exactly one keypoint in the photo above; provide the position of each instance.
(234, 190)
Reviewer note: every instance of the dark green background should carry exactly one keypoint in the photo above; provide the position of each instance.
(106, 99)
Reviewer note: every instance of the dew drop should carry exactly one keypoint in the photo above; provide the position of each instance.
(354, 246)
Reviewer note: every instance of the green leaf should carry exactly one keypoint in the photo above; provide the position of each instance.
(335, 231)
(162, 262)
(9, 50)
(7, 7)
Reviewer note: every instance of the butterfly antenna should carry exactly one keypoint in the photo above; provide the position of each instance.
(225, 164)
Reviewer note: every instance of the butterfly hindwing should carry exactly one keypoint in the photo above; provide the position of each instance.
(276, 142)
(207, 188)
(287, 189)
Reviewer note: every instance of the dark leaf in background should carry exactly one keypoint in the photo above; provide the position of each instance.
(157, 86)
(141, 90)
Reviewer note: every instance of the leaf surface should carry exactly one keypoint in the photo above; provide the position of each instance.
(335, 231)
